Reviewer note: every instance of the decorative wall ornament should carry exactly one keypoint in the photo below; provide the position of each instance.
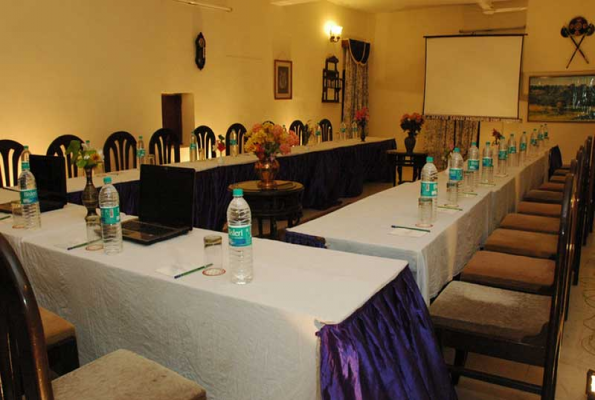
(331, 81)
(577, 27)
(283, 80)
(201, 51)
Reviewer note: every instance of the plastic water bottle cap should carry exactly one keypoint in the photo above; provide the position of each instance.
(140, 137)
(457, 150)
(487, 143)
(512, 135)
(107, 180)
(430, 159)
(238, 192)
(473, 143)
(25, 147)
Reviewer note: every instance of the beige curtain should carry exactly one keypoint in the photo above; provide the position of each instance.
(356, 79)
(442, 135)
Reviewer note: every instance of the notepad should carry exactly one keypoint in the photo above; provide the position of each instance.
(407, 233)
(177, 269)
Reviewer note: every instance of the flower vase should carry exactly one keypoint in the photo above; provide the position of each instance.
(410, 141)
(90, 195)
(363, 132)
(267, 168)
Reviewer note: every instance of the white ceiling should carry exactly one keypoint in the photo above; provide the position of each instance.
(393, 5)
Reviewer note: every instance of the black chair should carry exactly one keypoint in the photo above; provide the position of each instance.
(206, 140)
(327, 130)
(555, 160)
(58, 148)
(163, 143)
(123, 146)
(10, 152)
(298, 127)
(240, 131)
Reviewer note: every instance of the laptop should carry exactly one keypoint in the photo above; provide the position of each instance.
(50, 177)
(166, 207)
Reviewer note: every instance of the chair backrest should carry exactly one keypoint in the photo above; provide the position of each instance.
(555, 160)
(165, 146)
(206, 140)
(327, 130)
(123, 146)
(58, 148)
(298, 127)
(24, 367)
(268, 121)
(10, 151)
(240, 131)
(591, 190)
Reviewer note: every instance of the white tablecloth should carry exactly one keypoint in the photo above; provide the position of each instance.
(364, 227)
(255, 341)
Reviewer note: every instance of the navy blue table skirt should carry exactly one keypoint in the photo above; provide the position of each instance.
(326, 176)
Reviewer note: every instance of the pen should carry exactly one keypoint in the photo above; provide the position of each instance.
(192, 270)
(413, 229)
(82, 244)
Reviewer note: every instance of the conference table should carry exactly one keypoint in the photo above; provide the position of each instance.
(314, 323)
(434, 257)
(329, 171)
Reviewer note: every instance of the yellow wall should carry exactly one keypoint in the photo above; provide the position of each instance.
(89, 69)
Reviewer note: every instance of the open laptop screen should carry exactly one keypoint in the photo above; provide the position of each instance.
(50, 177)
(167, 195)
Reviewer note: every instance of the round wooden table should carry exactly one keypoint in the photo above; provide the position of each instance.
(282, 203)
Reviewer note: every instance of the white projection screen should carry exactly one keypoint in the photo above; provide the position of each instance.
(473, 76)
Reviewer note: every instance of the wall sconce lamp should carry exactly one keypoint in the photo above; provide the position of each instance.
(591, 385)
(335, 33)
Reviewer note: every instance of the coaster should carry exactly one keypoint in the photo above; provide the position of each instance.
(94, 247)
(213, 272)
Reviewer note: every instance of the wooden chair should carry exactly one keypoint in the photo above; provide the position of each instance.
(165, 146)
(58, 148)
(123, 146)
(240, 131)
(206, 140)
(10, 152)
(327, 130)
(298, 127)
(520, 327)
(24, 367)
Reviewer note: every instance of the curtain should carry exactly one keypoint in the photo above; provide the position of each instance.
(442, 135)
(356, 78)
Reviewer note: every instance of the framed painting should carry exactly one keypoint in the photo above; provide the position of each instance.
(283, 80)
(569, 98)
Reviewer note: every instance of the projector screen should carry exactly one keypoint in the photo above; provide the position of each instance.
(477, 77)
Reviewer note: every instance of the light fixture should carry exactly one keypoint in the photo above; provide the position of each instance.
(591, 385)
(335, 33)
(205, 5)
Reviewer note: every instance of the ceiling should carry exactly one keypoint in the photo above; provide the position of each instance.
(394, 5)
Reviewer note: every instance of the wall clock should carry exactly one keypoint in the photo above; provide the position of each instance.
(201, 51)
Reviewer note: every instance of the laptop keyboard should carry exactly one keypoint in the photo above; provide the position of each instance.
(146, 228)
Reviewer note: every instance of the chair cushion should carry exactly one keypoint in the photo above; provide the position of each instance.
(545, 210)
(521, 243)
(55, 328)
(544, 196)
(565, 166)
(506, 271)
(124, 375)
(496, 313)
(531, 223)
(552, 186)
(561, 177)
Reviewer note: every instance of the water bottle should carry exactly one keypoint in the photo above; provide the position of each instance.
(546, 137)
(540, 145)
(523, 149)
(239, 227)
(455, 168)
(513, 157)
(111, 227)
(233, 143)
(532, 150)
(487, 166)
(140, 152)
(502, 157)
(429, 184)
(343, 135)
(473, 162)
(193, 147)
(318, 134)
(28, 192)
(354, 129)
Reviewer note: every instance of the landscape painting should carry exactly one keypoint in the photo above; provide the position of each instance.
(562, 98)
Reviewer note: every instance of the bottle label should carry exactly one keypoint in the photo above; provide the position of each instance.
(240, 236)
(192, 146)
(110, 215)
(473, 165)
(533, 142)
(512, 149)
(502, 155)
(540, 136)
(233, 142)
(429, 189)
(25, 165)
(523, 146)
(28, 196)
(455, 174)
(140, 153)
(343, 130)
(488, 162)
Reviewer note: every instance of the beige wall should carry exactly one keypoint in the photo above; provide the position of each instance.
(93, 68)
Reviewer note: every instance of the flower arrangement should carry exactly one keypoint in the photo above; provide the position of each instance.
(362, 116)
(310, 129)
(267, 140)
(221, 144)
(83, 156)
(447, 153)
(412, 123)
(497, 136)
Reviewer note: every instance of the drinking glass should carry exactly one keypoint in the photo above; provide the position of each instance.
(468, 185)
(452, 192)
(94, 236)
(213, 255)
(150, 159)
(18, 221)
(425, 209)
(201, 154)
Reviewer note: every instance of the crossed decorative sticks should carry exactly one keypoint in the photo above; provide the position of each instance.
(578, 26)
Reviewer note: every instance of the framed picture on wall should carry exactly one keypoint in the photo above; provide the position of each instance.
(569, 98)
(283, 80)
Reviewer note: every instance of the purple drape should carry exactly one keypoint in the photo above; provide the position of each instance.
(385, 350)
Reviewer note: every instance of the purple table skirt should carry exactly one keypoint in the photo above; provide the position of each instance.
(326, 176)
(385, 350)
